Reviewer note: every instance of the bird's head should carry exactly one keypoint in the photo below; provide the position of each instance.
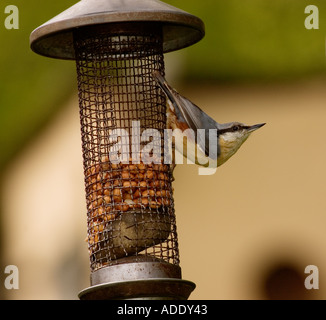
(231, 137)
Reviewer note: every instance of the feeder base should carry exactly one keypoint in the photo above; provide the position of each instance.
(138, 277)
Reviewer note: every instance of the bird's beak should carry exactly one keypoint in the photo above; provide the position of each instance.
(255, 127)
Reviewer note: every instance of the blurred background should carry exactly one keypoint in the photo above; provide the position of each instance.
(247, 232)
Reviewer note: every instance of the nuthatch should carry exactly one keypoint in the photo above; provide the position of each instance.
(213, 143)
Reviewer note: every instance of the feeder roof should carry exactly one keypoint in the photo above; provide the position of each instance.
(55, 37)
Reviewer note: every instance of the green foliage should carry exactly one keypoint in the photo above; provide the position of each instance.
(31, 87)
(255, 40)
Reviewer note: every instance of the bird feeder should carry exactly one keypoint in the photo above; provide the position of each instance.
(131, 225)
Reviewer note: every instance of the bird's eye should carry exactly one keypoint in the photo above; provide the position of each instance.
(236, 128)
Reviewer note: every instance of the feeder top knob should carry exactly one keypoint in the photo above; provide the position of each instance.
(55, 37)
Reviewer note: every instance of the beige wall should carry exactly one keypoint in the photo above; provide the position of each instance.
(264, 207)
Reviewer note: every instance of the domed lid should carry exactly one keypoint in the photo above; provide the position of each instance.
(55, 37)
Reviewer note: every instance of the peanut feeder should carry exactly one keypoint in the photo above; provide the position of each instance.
(117, 44)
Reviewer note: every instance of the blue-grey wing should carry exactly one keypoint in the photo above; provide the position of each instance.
(192, 115)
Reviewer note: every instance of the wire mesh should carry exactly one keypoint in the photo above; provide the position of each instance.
(130, 207)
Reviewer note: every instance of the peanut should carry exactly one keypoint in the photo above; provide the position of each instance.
(161, 193)
(141, 167)
(147, 193)
(137, 194)
(133, 168)
(142, 185)
(154, 204)
(122, 207)
(121, 187)
(109, 217)
(126, 175)
(162, 176)
(138, 176)
(149, 175)
(129, 184)
(157, 184)
(105, 159)
(117, 195)
(144, 201)
(166, 201)
(115, 166)
(96, 186)
(127, 196)
(129, 202)
(106, 175)
(100, 211)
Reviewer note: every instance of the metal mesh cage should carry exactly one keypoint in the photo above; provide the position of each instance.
(130, 208)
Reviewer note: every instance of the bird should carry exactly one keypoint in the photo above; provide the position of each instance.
(208, 143)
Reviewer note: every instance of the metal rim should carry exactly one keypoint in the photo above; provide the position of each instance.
(155, 289)
(144, 269)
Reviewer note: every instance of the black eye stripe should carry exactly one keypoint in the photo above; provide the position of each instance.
(239, 127)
